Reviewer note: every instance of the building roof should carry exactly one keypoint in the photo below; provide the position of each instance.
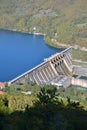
(1, 92)
(2, 85)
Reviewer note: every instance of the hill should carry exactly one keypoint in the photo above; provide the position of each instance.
(62, 20)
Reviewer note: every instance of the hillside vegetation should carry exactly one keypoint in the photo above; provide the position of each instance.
(47, 112)
(62, 20)
(66, 20)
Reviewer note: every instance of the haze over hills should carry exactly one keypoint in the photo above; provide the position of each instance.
(64, 20)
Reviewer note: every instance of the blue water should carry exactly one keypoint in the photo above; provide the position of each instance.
(20, 52)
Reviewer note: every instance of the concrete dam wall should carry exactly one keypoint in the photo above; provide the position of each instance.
(53, 70)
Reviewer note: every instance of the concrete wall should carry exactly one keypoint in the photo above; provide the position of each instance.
(79, 82)
(79, 70)
(52, 67)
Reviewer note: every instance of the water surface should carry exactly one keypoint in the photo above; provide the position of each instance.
(20, 52)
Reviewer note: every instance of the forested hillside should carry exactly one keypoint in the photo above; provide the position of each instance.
(63, 20)
(47, 112)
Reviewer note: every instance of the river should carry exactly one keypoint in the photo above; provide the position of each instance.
(20, 52)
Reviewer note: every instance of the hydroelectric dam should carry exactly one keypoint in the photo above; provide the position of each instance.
(55, 70)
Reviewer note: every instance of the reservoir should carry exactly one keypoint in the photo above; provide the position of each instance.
(20, 52)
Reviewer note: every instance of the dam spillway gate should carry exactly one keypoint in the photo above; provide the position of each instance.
(55, 70)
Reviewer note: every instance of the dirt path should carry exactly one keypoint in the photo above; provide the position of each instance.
(64, 45)
(80, 61)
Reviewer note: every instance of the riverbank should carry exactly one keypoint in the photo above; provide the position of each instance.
(67, 45)
(54, 41)
(78, 53)
(23, 32)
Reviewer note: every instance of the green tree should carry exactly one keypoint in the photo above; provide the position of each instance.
(46, 96)
(73, 104)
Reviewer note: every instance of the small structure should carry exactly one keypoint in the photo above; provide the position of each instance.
(1, 92)
(27, 93)
(2, 85)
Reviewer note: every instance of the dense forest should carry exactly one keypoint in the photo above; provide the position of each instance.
(46, 112)
(62, 21)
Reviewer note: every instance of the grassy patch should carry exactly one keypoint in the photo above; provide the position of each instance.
(75, 92)
(80, 55)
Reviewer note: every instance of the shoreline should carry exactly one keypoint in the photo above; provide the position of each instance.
(30, 33)
(40, 34)
(54, 42)
(67, 45)
(23, 32)
(61, 45)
